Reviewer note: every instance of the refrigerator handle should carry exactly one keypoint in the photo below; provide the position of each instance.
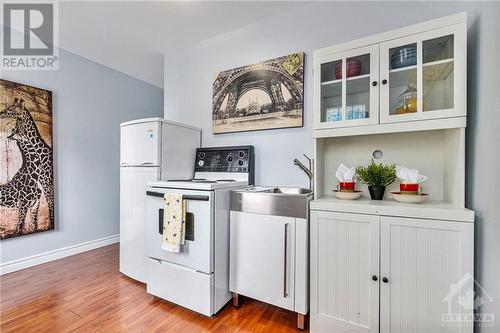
(123, 164)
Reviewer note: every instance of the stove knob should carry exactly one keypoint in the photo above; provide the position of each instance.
(202, 155)
(241, 154)
(230, 158)
(201, 163)
(241, 162)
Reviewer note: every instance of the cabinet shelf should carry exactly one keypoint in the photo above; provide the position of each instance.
(409, 126)
(326, 83)
(357, 77)
(402, 69)
(352, 78)
(438, 62)
(432, 209)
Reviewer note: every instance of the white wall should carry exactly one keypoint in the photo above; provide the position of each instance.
(89, 103)
(188, 89)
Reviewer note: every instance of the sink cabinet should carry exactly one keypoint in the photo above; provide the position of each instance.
(372, 272)
(262, 258)
(363, 82)
(269, 260)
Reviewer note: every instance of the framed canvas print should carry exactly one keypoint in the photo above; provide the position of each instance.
(267, 95)
(26, 164)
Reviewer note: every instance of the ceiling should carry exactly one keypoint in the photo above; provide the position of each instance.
(132, 36)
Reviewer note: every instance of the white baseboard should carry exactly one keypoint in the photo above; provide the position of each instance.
(18, 264)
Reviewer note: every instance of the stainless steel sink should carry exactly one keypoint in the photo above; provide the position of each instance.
(279, 201)
(289, 190)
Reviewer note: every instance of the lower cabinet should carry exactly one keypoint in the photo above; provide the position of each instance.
(374, 273)
(344, 258)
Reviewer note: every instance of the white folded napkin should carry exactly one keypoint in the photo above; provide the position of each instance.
(345, 174)
(408, 175)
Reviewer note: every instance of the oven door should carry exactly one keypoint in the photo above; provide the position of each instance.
(197, 251)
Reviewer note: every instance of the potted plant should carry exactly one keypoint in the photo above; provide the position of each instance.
(377, 176)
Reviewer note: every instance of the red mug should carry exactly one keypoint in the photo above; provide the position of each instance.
(410, 188)
(346, 187)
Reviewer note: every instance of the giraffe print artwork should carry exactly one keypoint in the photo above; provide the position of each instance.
(26, 163)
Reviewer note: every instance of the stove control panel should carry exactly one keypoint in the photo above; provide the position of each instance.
(225, 159)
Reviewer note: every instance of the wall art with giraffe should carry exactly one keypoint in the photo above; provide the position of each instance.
(26, 163)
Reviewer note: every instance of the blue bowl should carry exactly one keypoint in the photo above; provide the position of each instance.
(404, 56)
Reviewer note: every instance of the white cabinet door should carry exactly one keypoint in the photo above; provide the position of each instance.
(262, 251)
(428, 267)
(346, 88)
(423, 76)
(344, 272)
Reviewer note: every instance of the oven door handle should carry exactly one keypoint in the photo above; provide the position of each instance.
(184, 197)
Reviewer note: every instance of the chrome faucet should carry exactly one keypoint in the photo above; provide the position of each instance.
(309, 171)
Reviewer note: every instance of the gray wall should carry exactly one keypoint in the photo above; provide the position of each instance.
(188, 88)
(89, 103)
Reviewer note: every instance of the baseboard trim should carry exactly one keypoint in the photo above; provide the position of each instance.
(26, 262)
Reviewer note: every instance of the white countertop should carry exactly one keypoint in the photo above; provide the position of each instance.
(432, 209)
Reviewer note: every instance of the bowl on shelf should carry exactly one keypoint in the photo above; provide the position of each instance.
(404, 56)
(353, 68)
(408, 198)
(347, 195)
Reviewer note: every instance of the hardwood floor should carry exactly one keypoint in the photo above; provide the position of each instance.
(87, 293)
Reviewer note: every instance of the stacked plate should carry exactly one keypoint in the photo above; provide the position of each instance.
(404, 56)
(347, 195)
(409, 198)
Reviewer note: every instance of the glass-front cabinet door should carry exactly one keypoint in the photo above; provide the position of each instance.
(348, 86)
(420, 75)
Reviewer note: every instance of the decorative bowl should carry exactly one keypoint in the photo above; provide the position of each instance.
(404, 56)
(406, 198)
(353, 68)
(347, 195)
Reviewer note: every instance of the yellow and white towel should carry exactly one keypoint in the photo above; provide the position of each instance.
(174, 225)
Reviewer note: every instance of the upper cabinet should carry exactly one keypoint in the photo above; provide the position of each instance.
(348, 88)
(405, 76)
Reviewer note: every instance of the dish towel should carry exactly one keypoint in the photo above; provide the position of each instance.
(174, 225)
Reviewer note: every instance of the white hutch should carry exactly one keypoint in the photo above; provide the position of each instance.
(384, 266)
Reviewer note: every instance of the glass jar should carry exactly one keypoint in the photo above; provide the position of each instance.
(407, 101)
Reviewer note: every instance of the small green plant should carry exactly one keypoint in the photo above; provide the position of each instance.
(377, 174)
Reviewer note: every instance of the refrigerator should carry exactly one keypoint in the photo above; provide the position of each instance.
(150, 149)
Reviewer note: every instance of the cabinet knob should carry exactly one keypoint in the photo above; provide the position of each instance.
(374, 278)
(384, 81)
(385, 280)
(374, 83)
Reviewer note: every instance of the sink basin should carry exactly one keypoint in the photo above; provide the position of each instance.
(290, 190)
(278, 201)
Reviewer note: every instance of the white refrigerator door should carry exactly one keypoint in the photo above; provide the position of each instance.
(140, 144)
(133, 182)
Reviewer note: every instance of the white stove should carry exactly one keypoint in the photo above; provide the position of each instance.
(198, 276)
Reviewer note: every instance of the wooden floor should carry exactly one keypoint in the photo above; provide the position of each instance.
(87, 293)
